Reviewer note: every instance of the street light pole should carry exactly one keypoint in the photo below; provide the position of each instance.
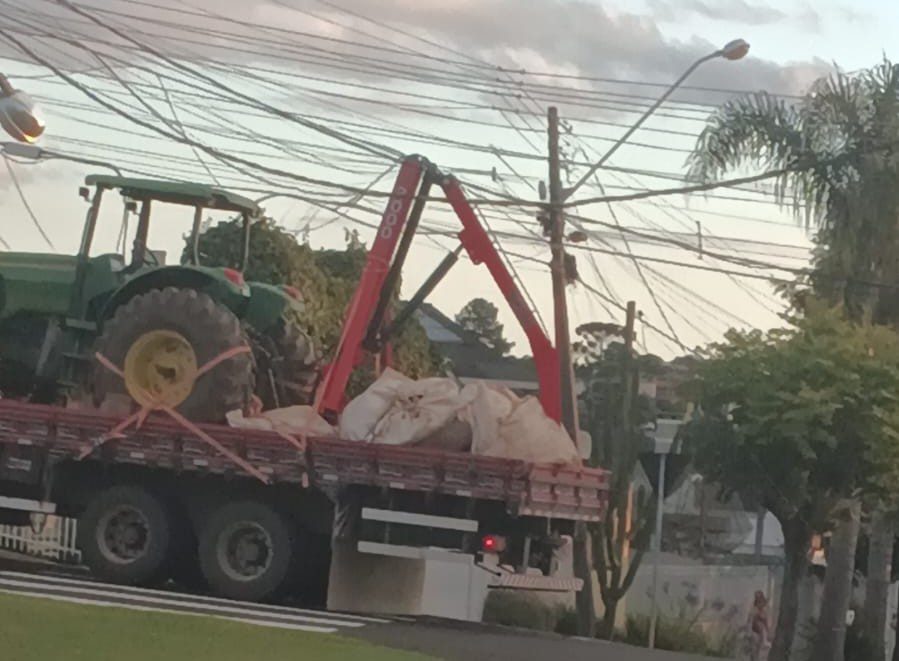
(657, 550)
(35, 153)
(733, 50)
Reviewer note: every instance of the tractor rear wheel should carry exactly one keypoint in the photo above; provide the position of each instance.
(160, 340)
(286, 365)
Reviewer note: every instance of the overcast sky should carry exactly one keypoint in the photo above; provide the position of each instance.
(652, 41)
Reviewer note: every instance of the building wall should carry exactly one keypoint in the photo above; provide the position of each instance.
(718, 596)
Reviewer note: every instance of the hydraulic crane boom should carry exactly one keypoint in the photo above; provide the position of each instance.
(364, 328)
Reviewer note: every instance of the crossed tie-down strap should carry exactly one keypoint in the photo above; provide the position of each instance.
(156, 404)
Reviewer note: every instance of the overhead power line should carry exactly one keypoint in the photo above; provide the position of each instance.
(31, 214)
(374, 149)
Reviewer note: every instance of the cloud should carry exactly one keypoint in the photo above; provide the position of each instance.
(581, 36)
(850, 14)
(736, 11)
(578, 37)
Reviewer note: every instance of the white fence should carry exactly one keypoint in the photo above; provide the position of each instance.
(55, 540)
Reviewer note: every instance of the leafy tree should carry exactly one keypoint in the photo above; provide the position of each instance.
(480, 317)
(327, 280)
(841, 140)
(799, 420)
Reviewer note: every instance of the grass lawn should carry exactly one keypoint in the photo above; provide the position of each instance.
(34, 629)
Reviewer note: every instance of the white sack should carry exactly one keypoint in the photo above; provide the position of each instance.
(419, 409)
(396, 410)
(289, 420)
(529, 434)
(359, 418)
(505, 425)
(485, 408)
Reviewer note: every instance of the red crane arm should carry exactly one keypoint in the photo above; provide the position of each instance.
(380, 261)
(349, 351)
(481, 250)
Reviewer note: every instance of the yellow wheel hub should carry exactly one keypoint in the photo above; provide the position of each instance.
(160, 368)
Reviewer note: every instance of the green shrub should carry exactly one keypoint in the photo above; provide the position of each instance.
(517, 609)
(678, 634)
(566, 621)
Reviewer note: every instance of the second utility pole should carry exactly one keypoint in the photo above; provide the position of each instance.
(583, 561)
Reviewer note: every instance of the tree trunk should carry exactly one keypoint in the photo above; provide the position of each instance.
(896, 648)
(830, 638)
(796, 539)
(586, 609)
(608, 619)
(880, 557)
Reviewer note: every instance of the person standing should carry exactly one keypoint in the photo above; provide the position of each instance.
(759, 627)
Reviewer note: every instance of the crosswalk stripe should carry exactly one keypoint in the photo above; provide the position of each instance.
(189, 598)
(176, 604)
(157, 609)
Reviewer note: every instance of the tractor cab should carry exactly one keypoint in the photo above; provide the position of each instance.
(141, 196)
(156, 321)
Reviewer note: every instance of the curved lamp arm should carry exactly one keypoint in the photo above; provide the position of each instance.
(733, 50)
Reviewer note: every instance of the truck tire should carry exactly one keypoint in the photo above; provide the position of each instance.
(160, 339)
(286, 366)
(125, 536)
(248, 551)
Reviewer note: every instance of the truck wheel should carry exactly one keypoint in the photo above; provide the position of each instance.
(286, 366)
(247, 551)
(125, 537)
(160, 339)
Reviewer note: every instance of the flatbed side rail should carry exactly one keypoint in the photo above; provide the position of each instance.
(526, 489)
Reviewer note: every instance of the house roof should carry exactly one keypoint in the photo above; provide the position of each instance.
(470, 358)
(477, 362)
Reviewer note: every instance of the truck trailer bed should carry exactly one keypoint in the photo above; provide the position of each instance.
(31, 435)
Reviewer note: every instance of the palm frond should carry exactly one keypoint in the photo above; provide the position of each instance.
(758, 129)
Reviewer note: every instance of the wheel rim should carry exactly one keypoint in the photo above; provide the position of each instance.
(160, 368)
(123, 535)
(244, 551)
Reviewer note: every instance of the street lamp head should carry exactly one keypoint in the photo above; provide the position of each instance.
(22, 150)
(19, 115)
(735, 50)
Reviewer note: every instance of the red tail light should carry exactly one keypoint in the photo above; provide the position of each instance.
(234, 276)
(493, 544)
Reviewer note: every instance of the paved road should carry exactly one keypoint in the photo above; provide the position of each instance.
(472, 642)
(451, 641)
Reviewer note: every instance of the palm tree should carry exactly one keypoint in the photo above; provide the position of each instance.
(839, 145)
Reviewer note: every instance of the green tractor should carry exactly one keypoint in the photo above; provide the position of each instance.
(158, 324)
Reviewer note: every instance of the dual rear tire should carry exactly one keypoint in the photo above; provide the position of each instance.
(244, 550)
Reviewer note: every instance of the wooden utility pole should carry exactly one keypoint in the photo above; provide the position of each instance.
(629, 383)
(628, 380)
(560, 279)
(583, 561)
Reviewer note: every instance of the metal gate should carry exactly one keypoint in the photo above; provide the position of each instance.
(55, 540)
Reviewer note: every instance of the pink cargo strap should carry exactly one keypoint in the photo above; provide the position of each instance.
(137, 419)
